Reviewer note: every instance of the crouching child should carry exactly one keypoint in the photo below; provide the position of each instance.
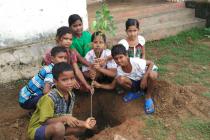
(53, 118)
(135, 75)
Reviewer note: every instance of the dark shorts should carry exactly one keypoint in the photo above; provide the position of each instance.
(135, 85)
(40, 133)
(31, 103)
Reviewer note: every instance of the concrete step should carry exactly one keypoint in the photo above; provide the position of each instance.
(181, 14)
(157, 20)
(177, 15)
(160, 31)
(120, 14)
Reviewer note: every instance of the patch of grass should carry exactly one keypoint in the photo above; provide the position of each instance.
(182, 50)
(166, 60)
(194, 129)
(199, 54)
(182, 78)
(162, 70)
(206, 94)
(180, 39)
(155, 129)
(185, 76)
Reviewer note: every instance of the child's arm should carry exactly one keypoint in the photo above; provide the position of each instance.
(48, 81)
(47, 88)
(90, 74)
(143, 52)
(109, 72)
(89, 123)
(149, 69)
(105, 86)
(80, 76)
(66, 119)
(80, 58)
(103, 61)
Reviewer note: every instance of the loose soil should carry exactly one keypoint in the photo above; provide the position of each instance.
(115, 119)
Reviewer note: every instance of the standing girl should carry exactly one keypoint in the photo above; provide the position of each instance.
(134, 43)
(81, 39)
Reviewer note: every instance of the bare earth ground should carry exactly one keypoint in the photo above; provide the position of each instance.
(117, 120)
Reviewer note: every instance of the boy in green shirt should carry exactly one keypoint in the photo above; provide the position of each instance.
(53, 118)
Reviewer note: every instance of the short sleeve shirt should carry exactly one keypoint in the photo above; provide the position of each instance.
(49, 106)
(82, 44)
(138, 69)
(90, 56)
(134, 51)
(36, 85)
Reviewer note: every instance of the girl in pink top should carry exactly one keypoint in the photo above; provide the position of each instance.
(64, 39)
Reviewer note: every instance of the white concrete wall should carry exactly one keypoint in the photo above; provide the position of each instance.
(27, 29)
(27, 21)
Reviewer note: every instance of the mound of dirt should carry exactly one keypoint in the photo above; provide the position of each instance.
(115, 119)
(177, 101)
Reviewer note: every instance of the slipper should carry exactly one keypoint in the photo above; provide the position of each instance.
(130, 96)
(149, 106)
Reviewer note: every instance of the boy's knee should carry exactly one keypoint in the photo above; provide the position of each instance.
(152, 75)
(59, 128)
(121, 80)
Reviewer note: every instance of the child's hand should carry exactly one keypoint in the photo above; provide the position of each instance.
(92, 74)
(88, 88)
(96, 84)
(96, 66)
(76, 84)
(101, 61)
(90, 123)
(71, 121)
(92, 90)
(143, 84)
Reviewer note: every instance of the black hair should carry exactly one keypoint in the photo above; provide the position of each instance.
(118, 49)
(57, 49)
(73, 18)
(131, 22)
(98, 33)
(62, 31)
(60, 68)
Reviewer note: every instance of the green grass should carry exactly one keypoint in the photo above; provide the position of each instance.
(180, 39)
(206, 94)
(183, 60)
(155, 129)
(183, 50)
(194, 129)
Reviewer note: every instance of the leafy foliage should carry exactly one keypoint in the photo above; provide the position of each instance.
(104, 20)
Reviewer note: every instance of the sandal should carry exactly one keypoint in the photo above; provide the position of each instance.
(132, 96)
(149, 106)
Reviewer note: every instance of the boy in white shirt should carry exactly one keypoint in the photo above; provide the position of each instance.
(135, 74)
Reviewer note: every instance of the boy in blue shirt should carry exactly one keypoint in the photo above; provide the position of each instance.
(42, 82)
(53, 118)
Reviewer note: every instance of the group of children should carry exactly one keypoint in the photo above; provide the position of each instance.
(80, 57)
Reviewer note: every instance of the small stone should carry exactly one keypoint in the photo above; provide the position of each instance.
(15, 125)
(118, 137)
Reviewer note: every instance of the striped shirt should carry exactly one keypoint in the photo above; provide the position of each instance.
(36, 85)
